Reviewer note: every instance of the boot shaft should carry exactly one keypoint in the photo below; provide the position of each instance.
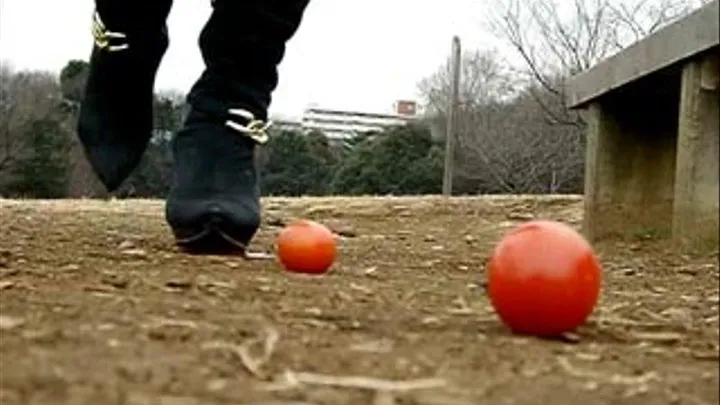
(242, 44)
(135, 18)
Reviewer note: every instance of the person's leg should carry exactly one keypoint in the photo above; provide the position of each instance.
(116, 117)
(215, 189)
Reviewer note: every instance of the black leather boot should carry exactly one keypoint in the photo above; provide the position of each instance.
(214, 202)
(116, 115)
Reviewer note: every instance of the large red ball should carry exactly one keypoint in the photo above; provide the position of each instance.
(306, 247)
(544, 279)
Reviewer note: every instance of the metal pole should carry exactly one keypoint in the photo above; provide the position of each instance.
(453, 103)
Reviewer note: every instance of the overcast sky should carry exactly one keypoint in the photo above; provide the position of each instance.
(353, 54)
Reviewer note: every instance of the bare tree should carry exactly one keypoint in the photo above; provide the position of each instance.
(24, 97)
(507, 147)
(515, 133)
(485, 78)
(504, 143)
(557, 39)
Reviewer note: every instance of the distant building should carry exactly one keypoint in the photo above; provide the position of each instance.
(340, 124)
(286, 124)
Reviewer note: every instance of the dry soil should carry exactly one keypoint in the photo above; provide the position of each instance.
(98, 307)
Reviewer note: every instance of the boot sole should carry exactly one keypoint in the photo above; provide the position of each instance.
(212, 240)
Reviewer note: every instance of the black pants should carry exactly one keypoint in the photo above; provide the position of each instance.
(242, 44)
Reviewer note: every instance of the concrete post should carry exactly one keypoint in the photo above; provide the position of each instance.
(697, 178)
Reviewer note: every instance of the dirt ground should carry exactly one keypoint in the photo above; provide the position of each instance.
(98, 307)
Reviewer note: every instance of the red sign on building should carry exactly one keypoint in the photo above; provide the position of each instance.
(405, 107)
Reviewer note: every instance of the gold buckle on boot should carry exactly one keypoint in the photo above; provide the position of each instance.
(255, 129)
(103, 37)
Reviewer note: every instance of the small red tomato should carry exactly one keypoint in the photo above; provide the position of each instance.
(544, 279)
(306, 247)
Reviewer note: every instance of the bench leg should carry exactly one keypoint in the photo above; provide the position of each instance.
(696, 209)
(629, 174)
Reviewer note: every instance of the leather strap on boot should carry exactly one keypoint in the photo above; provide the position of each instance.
(106, 39)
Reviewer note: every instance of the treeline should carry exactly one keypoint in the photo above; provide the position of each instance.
(401, 160)
(40, 156)
(515, 132)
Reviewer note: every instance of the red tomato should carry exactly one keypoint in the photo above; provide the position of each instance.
(306, 247)
(544, 279)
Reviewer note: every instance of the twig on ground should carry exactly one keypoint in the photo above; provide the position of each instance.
(658, 337)
(281, 403)
(654, 316)
(291, 379)
(706, 355)
(253, 363)
(619, 321)
(616, 379)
